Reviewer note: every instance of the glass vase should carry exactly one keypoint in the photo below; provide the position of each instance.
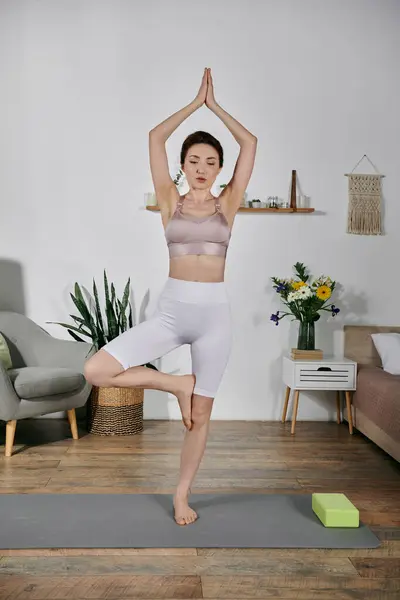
(306, 337)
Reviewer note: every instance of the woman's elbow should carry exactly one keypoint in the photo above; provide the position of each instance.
(250, 140)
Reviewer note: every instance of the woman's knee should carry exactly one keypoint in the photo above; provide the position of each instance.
(201, 410)
(101, 368)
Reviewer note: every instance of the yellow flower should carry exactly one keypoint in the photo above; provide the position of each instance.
(296, 285)
(323, 292)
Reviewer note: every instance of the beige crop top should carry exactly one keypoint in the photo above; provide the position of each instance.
(189, 235)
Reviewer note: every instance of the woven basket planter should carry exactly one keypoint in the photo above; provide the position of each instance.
(115, 411)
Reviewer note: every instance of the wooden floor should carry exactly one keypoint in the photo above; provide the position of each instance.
(240, 456)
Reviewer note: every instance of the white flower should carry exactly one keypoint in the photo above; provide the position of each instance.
(323, 280)
(300, 294)
(304, 292)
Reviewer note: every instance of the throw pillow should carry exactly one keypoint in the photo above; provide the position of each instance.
(5, 357)
(388, 348)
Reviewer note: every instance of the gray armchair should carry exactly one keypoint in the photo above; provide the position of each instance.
(46, 375)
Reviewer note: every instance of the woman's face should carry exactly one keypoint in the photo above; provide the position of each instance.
(201, 166)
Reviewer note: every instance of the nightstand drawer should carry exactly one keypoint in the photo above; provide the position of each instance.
(333, 376)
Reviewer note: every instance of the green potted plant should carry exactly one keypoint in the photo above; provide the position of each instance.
(112, 411)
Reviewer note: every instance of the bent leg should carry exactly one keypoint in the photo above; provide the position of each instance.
(133, 348)
(120, 363)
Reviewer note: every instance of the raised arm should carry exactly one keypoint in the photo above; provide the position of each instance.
(233, 193)
(164, 186)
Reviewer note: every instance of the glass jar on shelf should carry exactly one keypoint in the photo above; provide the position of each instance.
(303, 201)
(272, 202)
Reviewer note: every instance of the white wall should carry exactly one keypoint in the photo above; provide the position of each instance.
(82, 83)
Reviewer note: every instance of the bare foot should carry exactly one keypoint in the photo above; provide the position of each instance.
(184, 515)
(184, 395)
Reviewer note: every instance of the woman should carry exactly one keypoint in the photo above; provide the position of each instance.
(193, 307)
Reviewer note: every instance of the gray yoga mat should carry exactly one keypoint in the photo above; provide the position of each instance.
(145, 521)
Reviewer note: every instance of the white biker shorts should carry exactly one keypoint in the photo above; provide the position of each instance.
(187, 312)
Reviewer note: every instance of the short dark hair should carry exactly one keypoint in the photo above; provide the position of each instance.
(202, 137)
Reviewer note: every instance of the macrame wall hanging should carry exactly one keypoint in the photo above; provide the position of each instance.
(364, 215)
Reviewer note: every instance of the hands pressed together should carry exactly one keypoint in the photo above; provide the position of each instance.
(206, 92)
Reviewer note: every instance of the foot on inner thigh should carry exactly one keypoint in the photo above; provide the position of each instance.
(184, 395)
(184, 515)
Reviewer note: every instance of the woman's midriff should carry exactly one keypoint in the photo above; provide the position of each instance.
(197, 268)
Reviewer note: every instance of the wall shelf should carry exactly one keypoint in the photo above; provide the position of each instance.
(258, 210)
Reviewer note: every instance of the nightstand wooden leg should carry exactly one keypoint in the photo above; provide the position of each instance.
(349, 414)
(338, 415)
(285, 407)
(296, 405)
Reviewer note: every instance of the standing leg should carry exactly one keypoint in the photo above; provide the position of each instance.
(192, 453)
(349, 413)
(210, 352)
(296, 405)
(285, 407)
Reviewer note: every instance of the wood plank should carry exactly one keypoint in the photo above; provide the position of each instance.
(291, 587)
(374, 567)
(100, 552)
(110, 587)
(257, 564)
(388, 548)
(126, 587)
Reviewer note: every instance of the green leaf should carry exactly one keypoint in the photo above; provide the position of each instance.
(76, 337)
(88, 321)
(125, 297)
(150, 366)
(112, 321)
(67, 326)
(80, 303)
(78, 319)
(110, 314)
(106, 292)
(113, 295)
(124, 305)
(122, 317)
(97, 306)
(300, 270)
(130, 318)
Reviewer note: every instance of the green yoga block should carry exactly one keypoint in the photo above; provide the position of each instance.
(335, 510)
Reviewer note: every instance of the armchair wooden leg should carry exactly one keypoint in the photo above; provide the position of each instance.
(285, 407)
(72, 422)
(10, 433)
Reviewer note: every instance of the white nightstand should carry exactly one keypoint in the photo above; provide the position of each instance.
(330, 373)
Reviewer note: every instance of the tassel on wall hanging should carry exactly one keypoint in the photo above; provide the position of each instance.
(365, 202)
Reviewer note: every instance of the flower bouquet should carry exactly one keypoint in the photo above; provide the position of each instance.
(304, 300)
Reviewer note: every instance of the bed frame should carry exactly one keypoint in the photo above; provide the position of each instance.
(358, 346)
